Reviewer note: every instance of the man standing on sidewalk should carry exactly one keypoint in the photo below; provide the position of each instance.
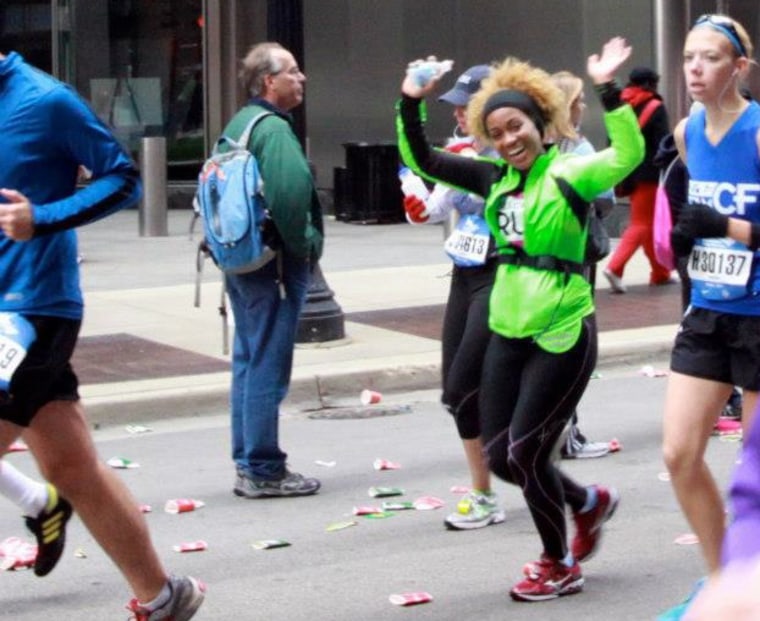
(266, 303)
(48, 132)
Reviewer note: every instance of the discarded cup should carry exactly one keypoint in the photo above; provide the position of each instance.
(410, 599)
(370, 397)
(384, 464)
(183, 505)
(687, 539)
(398, 506)
(331, 528)
(428, 503)
(381, 492)
(191, 546)
(122, 463)
(268, 544)
(15, 553)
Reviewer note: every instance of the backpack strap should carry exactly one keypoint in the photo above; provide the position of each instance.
(245, 137)
(647, 111)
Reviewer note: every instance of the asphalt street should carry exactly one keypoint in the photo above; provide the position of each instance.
(349, 574)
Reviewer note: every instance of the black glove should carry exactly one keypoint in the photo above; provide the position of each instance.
(681, 242)
(701, 221)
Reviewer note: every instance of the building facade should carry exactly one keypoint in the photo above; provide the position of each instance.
(169, 67)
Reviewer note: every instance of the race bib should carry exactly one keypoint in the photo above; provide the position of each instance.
(16, 335)
(720, 269)
(468, 243)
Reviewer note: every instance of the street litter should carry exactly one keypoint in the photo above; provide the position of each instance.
(460, 489)
(145, 508)
(122, 463)
(15, 553)
(615, 445)
(664, 476)
(398, 506)
(80, 553)
(331, 528)
(366, 510)
(649, 371)
(370, 397)
(269, 544)
(326, 464)
(410, 599)
(191, 546)
(381, 492)
(17, 447)
(138, 429)
(687, 539)
(183, 505)
(379, 516)
(428, 503)
(384, 464)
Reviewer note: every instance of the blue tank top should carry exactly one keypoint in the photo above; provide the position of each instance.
(725, 274)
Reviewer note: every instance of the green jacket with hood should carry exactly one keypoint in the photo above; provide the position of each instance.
(552, 201)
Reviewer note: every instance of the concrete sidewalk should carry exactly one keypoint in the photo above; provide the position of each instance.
(146, 352)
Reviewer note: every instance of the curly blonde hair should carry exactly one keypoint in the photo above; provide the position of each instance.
(514, 74)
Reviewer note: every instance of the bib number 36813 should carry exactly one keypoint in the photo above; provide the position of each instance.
(16, 336)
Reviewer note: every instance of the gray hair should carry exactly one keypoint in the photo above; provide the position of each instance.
(257, 64)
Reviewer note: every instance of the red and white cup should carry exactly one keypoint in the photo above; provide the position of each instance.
(410, 599)
(182, 505)
(191, 546)
(370, 397)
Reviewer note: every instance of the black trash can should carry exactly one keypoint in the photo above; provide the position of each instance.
(371, 188)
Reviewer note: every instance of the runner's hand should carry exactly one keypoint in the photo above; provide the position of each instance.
(16, 218)
(601, 68)
(701, 221)
(415, 209)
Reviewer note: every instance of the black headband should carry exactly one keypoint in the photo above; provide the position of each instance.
(507, 98)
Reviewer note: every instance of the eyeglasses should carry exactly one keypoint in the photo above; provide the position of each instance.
(726, 26)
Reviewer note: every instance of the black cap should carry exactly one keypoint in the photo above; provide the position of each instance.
(466, 85)
(643, 76)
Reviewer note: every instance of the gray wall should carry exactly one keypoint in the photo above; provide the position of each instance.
(356, 52)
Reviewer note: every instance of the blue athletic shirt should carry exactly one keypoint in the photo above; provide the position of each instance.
(725, 177)
(47, 132)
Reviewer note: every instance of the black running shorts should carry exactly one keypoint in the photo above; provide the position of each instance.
(45, 375)
(718, 346)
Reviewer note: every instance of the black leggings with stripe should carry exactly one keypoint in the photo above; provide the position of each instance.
(527, 396)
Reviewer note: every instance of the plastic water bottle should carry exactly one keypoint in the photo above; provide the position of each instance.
(424, 71)
(412, 185)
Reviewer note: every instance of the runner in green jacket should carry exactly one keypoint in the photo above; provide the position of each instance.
(544, 348)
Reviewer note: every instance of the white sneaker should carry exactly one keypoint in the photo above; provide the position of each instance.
(475, 510)
(616, 283)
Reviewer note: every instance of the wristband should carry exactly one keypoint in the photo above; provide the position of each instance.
(609, 94)
(754, 237)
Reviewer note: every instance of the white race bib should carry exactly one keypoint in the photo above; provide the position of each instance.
(468, 243)
(16, 335)
(721, 271)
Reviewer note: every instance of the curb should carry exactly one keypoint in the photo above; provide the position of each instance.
(197, 396)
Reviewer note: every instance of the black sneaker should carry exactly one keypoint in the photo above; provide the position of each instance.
(292, 484)
(186, 597)
(49, 527)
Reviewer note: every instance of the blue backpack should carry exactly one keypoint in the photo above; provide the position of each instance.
(230, 201)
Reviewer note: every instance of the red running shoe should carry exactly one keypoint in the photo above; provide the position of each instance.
(547, 579)
(589, 525)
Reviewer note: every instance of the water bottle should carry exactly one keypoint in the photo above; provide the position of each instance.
(424, 71)
(412, 185)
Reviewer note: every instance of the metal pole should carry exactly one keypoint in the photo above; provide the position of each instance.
(154, 217)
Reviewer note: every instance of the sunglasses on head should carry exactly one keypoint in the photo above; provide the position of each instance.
(724, 25)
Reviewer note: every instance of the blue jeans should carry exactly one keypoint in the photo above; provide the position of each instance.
(262, 361)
